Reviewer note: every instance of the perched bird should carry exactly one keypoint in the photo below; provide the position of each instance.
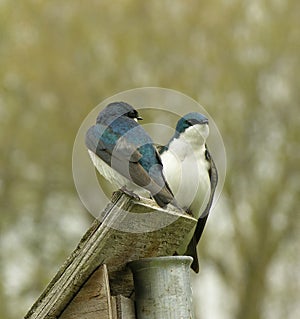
(124, 154)
(192, 175)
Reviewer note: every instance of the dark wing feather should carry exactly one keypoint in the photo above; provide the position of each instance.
(124, 157)
(159, 149)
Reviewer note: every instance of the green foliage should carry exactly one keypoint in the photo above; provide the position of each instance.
(239, 59)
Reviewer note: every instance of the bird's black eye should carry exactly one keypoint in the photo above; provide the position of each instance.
(188, 123)
(132, 114)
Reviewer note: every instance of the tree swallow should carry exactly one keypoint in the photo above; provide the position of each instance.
(192, 175)
(124, 154)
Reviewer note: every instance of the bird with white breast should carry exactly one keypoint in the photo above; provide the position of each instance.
(191, 174)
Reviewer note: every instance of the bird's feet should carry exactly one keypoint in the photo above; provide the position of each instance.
(130, 193)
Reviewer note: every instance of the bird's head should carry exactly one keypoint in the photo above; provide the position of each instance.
(193, 124)
(115, 110)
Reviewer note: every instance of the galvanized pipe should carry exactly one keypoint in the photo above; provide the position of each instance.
(163, 287)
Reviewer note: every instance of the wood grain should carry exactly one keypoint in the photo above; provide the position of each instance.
(105, 243)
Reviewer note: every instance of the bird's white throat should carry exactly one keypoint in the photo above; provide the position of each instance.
(196, 135)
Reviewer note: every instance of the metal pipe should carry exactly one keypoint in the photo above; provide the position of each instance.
(163, 287)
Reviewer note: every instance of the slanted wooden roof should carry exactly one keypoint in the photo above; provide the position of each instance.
(108, 243)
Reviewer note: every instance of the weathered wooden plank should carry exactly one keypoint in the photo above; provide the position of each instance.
(93, 301)
(105, 243)
(125, 307)
(114, 307)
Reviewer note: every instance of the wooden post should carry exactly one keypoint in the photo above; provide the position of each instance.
(102, 244)
(94, 297)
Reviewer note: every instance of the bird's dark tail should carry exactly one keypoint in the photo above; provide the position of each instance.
(192, 246)
(192, 251)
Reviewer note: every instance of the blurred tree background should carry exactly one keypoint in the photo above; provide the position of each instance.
(240, 59)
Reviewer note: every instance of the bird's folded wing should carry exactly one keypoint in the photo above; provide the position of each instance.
(123, 156)
(117, 152)
(106, 143)
(126, 150)
(213, 176)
